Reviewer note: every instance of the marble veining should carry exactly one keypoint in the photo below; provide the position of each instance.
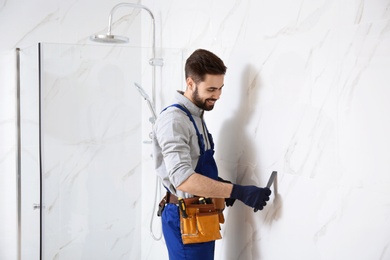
(306, 94)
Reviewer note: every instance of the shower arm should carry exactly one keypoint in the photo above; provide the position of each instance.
(153, 61)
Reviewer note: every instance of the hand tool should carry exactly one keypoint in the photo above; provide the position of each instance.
(182, 207)
(269, 183)
(271, 179)
(202, 200)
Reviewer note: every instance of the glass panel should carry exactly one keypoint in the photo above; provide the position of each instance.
(81, 130)
(29, 153)
(91, 120)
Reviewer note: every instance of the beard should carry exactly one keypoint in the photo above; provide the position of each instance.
(199, 102)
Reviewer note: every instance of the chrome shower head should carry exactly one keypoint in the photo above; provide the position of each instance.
(150, 104)
(109, 38)
(141, 91)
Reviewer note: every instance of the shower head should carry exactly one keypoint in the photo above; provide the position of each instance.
(142, 91)
(109, 38)
(150, 104)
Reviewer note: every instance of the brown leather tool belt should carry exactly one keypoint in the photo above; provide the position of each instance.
(171, 198)
(200, 218)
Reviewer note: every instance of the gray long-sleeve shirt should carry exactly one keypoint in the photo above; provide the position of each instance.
(175, 144)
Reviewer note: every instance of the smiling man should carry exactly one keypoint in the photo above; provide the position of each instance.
(183, 152)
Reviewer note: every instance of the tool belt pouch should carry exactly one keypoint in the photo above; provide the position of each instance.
(202, 223)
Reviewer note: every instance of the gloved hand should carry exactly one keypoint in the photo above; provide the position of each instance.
(228, 201)
(252, 196)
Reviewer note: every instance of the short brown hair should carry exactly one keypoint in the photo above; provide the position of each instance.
(202, 62)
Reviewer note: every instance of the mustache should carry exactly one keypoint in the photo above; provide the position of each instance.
(211, 99)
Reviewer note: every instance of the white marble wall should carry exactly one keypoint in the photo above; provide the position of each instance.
(305, 94)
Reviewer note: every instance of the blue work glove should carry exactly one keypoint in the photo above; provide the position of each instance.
(252, 196)
(228, 201)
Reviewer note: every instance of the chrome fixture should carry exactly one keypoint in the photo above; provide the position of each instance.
(146, 97)
(110, 38)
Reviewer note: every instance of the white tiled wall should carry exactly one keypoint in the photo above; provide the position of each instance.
(305, 94)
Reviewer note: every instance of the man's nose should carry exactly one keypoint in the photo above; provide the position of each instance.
(217, 94)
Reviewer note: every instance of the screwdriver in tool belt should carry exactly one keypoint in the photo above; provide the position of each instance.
(182, 207)
(202, 200)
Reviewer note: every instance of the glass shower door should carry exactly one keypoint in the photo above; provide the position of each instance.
(82, 149)
(88, 151)
(91, 171)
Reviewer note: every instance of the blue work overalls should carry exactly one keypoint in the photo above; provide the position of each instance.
(170, 216)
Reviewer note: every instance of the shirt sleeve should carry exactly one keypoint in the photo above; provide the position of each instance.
(174, 136)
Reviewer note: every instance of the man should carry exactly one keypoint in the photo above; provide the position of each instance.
(183, 154)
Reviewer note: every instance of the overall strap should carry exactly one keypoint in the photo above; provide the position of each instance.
(200, 136)
(209, 136)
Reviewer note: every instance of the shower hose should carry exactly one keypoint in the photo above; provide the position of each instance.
(156, 195)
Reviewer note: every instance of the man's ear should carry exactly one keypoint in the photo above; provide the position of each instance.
(190, 83)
